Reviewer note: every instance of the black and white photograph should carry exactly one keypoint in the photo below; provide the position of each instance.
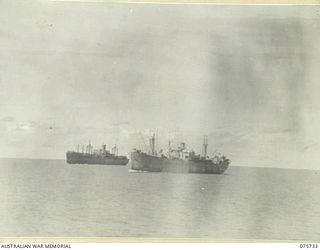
(160, 120)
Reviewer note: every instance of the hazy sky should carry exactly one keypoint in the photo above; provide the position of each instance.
(246, 76)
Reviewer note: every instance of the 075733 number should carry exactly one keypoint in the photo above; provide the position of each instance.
(313, 245)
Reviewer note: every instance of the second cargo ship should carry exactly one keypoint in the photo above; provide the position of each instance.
(99, 156)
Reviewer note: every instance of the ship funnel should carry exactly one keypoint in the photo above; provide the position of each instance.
(114, 150)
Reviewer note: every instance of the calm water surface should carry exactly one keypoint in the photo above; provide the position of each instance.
(51, 198)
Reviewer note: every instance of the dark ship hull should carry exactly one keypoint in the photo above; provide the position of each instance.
(85, 158)
(144, 162)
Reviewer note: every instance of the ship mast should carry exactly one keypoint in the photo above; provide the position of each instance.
(156, 143)
(152, 144)
(205, 146)
(169, 149)
(90, 147)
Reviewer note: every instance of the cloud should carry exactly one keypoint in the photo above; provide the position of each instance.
(313, 146)
(7, 119)
(120, 123)
(22, 126)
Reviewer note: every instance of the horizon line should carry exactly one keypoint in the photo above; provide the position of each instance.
(234, 166)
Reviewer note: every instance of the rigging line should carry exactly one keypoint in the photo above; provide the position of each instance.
(144, 143)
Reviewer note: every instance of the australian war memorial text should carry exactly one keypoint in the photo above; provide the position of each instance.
(34, 246)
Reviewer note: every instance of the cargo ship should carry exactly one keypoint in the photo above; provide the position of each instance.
(99, 156)
(179, 160)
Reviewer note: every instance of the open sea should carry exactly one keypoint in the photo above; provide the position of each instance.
(51, 198)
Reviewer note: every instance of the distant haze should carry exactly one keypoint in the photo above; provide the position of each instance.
(245, 76)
